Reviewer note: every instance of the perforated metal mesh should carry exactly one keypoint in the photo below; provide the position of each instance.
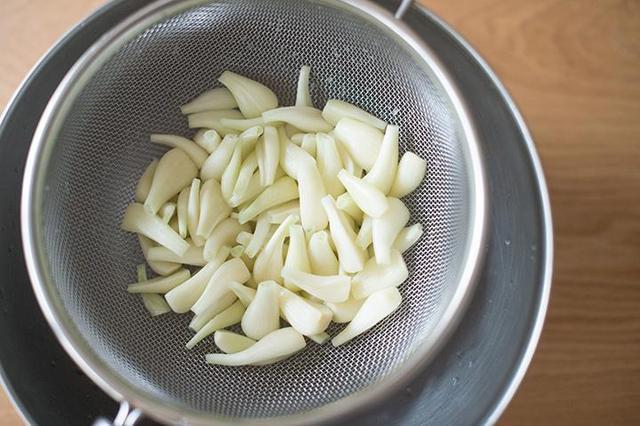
(103, 147)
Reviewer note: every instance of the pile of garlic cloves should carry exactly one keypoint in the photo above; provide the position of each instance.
(293, 215)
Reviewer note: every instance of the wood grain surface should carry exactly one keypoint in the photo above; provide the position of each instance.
(573, 67)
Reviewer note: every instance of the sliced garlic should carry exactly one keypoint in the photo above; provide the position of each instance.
(322, 259)
(377, 306)
(303, 98)
(174, 171)
(278, 344)
(144, 184)
(282, 190)
(160, 268)
(208, 139)
(408, 237)
(214, 166)
(375, 277)
(329, 164)
(385, 229)
(213, 208)
(230, 316)
(330, 288)
(214, 99)
(223, 235)
(297, 257)
(411, 171)
(368, 198)
(303, 316)
(361, 141)
(262, 315)
(307, 119)
(383, 172)
(160, 284)
(335, 110)
(182, 298)
(231, 270)
(193, 256)
(253, 98)
(352, 258)
(213, 120)
(197, 154)
(139, 220)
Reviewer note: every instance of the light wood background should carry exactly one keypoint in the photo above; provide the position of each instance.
(573, 66)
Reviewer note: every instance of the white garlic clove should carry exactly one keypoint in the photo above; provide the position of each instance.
(330, 288)
(160, 284)
(303, 98)
(375, 277)
(368, 198)
(282, 190)
(360, 140)
(383, 172)
(307, 119)
(231, 270)
(297, 257)
(385, 229)
(144, 184)
(175, 170)
(160, 268)
(214, 99)
(230, 342)
(302, 315)
(262, 315)
(408, 237)
(139, 220)
(213, 120)
(223, 235)
(217, 162)
(335, 110)
(253, 98)
(329, 164)
(193, 256)
(208, 139)
(197, 154)
(411, 171)
(352, 258)
(322, 259)
(230, 316)
(213, 208)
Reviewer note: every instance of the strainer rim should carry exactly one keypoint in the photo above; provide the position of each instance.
(120, 389)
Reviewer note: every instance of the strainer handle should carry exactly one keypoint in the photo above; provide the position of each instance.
(402, 9)
(127, 416)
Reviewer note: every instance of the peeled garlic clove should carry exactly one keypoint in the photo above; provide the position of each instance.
(166, 212)
(160, 284)
(160, 268)
(262, 315)
(247, 168)
(195, 153)
(329, 164)
(346, 204)
(292, 157)
(321, 257)
(377, 306)
(352, 257)
(368, 198)
(213, 120)
(347, 161)
(303, 316)
(411, 171)
(253, 189)
(231, 270)
(174, 171)
(213, 208)
(361, 141)
(383, 172)
(230, 343)
(375, 277)
(248, 139)
(345, 311)
(408, 237)
(253, 98)
(311, 191)
(260, 236)
(385, 229)
(303, 98)
(365, 235)
(330, 288)
(208, 139)
(268, 155)
(144, 184)
(182, 298)
(282, 190)
(241, 124)
(230, 174)
(193, 256)
(279, 213)
(242, 292)
(230, 316)
(244, 238)
(155, 304)
(269, 262)
(138, 219)
(210, 313)
(280, 343)
(296, 254)
(320, 338)
(193, 212)
(214, 99)
(182, 212)
(216, 163)
(335, 110)
(298, 138)
(309, 144)
(307, 119)
(237, 250)
(223, 235)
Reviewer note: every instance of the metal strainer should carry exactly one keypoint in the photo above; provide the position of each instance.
(92, 145)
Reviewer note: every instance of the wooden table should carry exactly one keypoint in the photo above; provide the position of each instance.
(573, 66)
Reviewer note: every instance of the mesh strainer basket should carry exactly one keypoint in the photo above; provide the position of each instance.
(92, 145)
